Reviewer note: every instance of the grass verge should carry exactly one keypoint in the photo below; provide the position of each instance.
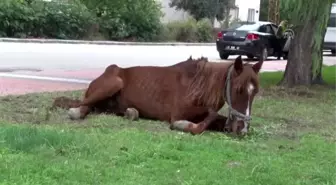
(292, 141)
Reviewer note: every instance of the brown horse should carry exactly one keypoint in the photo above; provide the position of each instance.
(188, 94)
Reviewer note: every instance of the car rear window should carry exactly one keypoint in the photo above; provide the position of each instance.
(248, 27)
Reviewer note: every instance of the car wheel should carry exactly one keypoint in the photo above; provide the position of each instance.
(250, 57)
(285, 55)
(333, 52)
(223, 56)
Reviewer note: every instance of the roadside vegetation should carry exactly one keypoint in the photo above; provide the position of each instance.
(292, 141)
(97, 20)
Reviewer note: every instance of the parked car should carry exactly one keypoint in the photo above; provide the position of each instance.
(330, 36)
(254, 39)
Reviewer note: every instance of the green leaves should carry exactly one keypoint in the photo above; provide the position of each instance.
(44, 19)
(188, 31)
(78, 19)
(127, 19)
(204, 8)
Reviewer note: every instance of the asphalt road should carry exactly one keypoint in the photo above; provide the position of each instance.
(34, 67)
(80, 56)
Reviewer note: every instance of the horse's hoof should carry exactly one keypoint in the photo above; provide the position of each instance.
(131, 114)
(179, 125)
(74, 113)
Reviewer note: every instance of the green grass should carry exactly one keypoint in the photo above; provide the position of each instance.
(292, 141)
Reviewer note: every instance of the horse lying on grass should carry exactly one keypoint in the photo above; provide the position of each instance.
(187, 95)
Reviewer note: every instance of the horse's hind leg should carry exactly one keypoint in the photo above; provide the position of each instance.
(94, 95)
(131, 114)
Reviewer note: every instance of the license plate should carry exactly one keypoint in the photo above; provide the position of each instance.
(232, 47)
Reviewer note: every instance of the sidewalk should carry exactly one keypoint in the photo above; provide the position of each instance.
(13, 86)
(45, 41)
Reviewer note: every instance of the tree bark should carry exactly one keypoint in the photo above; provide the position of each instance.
(227, 17)
(318, 79)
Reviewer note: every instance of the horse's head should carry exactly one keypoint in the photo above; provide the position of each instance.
(240, 91)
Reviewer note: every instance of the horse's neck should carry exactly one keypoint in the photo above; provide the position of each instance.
(207, 86)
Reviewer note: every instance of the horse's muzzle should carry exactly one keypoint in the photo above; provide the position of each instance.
(238, 127)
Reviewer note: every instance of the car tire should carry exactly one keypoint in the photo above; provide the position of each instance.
(250, 57)
(223, 56)
(285, 55)
(333, 52)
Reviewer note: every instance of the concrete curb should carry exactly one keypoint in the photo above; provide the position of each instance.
(59, 41)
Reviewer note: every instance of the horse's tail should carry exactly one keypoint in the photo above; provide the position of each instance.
(65, 102)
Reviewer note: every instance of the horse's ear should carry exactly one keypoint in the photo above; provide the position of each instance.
(257, 66)
(190, 58)
(238, 64)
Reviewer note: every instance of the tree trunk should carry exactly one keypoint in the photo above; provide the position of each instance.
(299, 66)
(305, 57)
(274, 11)
(317, 79)
(227, 17)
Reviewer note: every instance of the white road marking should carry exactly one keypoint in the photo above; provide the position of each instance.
(46, 78)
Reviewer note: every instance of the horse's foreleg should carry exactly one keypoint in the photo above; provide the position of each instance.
(188, 126)
(98, 94)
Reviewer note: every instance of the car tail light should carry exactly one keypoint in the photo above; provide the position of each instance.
(219, 35)
(252, 36)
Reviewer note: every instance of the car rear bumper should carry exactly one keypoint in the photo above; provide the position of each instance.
(240, 48)
(329, 45)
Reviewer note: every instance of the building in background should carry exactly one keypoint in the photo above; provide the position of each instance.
(246, 10)
(170, 14)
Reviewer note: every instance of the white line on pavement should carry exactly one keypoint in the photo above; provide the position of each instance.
(47, 78)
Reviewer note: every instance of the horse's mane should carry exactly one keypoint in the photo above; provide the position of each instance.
(190, 66)
(208, 82)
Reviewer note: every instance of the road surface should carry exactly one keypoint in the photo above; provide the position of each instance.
(60, 65)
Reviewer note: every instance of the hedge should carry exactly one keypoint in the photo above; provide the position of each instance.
(44, 19)
(96, 19)
(188, 31)
(73, 20)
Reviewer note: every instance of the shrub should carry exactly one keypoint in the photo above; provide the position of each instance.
(44, 19)
(181, 31)
(127, 19)
(204, 30)
(15, 17)
(188, 31)
(63, 20)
